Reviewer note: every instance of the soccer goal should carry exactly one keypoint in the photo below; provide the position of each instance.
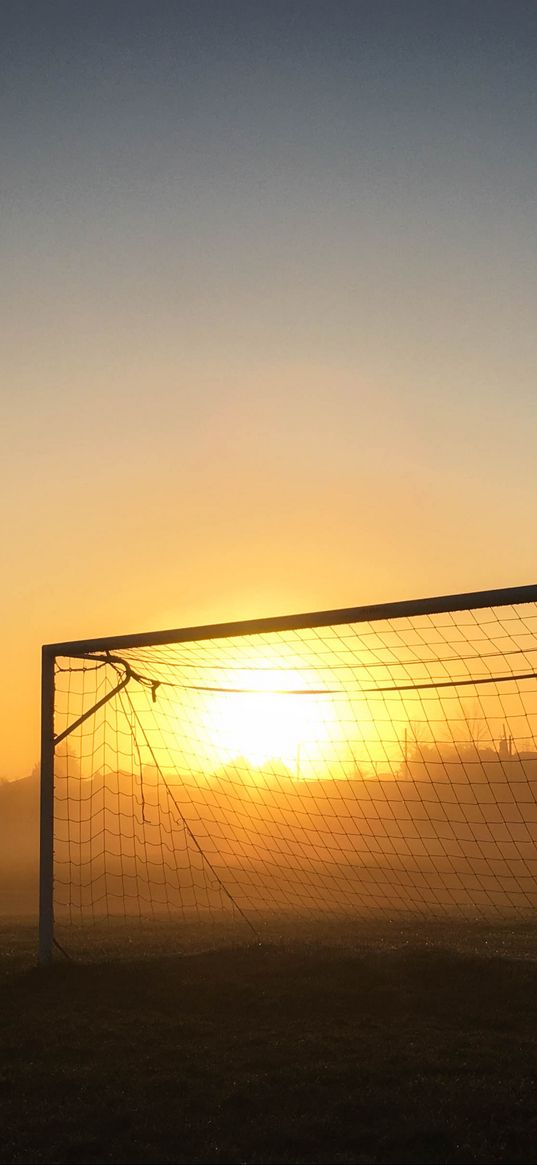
(369, 763)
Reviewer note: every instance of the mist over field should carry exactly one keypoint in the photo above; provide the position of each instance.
(19, 844)
(450, 831)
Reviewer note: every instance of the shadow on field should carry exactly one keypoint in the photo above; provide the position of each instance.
(272, 1054)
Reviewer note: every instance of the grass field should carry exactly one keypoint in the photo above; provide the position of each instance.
(403, 1045)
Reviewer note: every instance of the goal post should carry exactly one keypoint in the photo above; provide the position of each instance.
(368, 762)
(46, 864)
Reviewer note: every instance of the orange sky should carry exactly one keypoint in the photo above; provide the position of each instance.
(268, 321)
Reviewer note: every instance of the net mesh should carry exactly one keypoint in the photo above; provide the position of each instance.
(371, 769)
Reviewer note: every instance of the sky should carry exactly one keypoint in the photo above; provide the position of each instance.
(267, 321)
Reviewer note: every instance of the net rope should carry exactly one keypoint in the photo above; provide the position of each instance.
(383, 769)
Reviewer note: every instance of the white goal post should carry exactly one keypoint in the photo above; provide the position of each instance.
(369, 762)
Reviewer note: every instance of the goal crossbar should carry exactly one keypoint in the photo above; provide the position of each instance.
(406, 608)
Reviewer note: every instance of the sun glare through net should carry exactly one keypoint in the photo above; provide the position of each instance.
(373, 768)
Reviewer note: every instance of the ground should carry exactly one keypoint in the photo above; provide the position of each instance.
(398, 1048)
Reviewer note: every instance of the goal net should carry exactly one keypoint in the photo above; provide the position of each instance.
(372, 763)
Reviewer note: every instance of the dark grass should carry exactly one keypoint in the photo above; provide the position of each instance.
(401, 1050)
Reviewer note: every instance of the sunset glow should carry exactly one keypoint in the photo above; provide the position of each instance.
(258, 715)
(264, 726)
(268, 339)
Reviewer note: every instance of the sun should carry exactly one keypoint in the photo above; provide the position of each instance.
(257, 712)
(264, 725)
(262, 715)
